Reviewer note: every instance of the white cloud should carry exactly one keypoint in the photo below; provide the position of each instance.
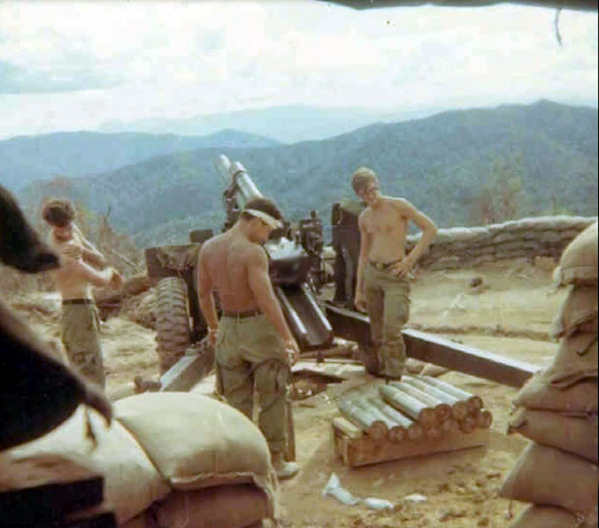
(176, 59)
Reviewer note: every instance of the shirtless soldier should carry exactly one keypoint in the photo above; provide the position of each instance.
(254, 346)
(79, 260)
(383, 282)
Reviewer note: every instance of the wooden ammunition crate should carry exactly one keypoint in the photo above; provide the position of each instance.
(356, 449)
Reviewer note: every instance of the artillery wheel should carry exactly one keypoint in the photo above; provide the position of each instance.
(172, 321)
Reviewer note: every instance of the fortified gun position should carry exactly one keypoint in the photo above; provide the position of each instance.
(295, 271)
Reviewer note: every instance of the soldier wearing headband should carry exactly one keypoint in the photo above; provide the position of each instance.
(254, 346)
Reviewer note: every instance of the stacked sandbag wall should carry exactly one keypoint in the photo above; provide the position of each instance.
(213, 457)
(557, 408)
(544, 236)
(170, 460)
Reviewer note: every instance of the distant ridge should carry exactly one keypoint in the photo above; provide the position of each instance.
(440, 163)
(24, 159)
(287, 123)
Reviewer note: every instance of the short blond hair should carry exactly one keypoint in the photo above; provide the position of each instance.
(362, 178)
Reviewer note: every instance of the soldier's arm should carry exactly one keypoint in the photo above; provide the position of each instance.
(424, 223)
(89, 252)
(96, 277)
(259, 282)
(205, 293)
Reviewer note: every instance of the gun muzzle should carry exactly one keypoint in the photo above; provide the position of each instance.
(246, 188)
(223, 165)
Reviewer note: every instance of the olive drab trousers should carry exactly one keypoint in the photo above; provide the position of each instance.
(388, 304)
(250, 355)
(80, 335)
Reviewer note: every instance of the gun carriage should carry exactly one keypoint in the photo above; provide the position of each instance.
(295, 270)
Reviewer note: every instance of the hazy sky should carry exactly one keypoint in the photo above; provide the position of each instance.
(74, 65)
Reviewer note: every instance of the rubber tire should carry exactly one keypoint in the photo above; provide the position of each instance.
(173, 335)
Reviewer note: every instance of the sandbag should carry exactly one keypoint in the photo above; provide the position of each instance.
(132, 482)
(546, 517)
(545, 475)
(575, 360)
(577, 313)
(578, 264)
(234, 506)
(576, 435)
(198, 442)
(538, 393)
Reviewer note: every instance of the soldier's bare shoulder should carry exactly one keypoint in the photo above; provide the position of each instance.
(400, 204)
(212, 244)
(365, 215)
(397, 200)
(254, 252)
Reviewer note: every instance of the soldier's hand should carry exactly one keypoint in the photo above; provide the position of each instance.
(401, 268)
(212, 335)
(360, 302)
(117, 280)
(291, 352)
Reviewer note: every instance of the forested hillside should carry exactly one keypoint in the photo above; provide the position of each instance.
(455, 166)
(25, 159)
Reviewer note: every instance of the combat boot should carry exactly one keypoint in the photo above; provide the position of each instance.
(284, 470)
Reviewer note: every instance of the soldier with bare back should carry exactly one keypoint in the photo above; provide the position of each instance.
(384, 271)
(79, 260)
(254, 346)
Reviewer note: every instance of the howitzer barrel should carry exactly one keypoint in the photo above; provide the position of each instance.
(246, 188)
(238, 181)
(289, 265)
(223, 164)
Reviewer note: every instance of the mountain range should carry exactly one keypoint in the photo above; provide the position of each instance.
(24, 159)
(289, 124)
(440, 163)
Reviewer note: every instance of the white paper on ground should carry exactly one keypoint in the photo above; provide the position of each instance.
(335, 489)
(415, 497)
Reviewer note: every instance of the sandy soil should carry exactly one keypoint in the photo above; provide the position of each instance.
(460, 487)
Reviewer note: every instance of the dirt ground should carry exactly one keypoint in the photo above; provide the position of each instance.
(510, 315)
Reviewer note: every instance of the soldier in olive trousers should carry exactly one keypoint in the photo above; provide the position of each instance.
(388, 305)
(384, 267)
(81, 267)
(250, 354)
(254, 345)
(80, 335)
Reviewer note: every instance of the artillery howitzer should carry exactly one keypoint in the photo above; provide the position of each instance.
(296, 275)
(295, 271)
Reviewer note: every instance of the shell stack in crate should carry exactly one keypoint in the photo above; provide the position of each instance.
(557, 408)
(417, 416)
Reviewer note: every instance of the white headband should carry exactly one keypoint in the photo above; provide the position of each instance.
(265, 217)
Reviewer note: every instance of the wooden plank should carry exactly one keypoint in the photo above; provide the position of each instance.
(189, 370)
(432, 349)
(329, 372)
(365, 451)
(290, 454)
(467, 359)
